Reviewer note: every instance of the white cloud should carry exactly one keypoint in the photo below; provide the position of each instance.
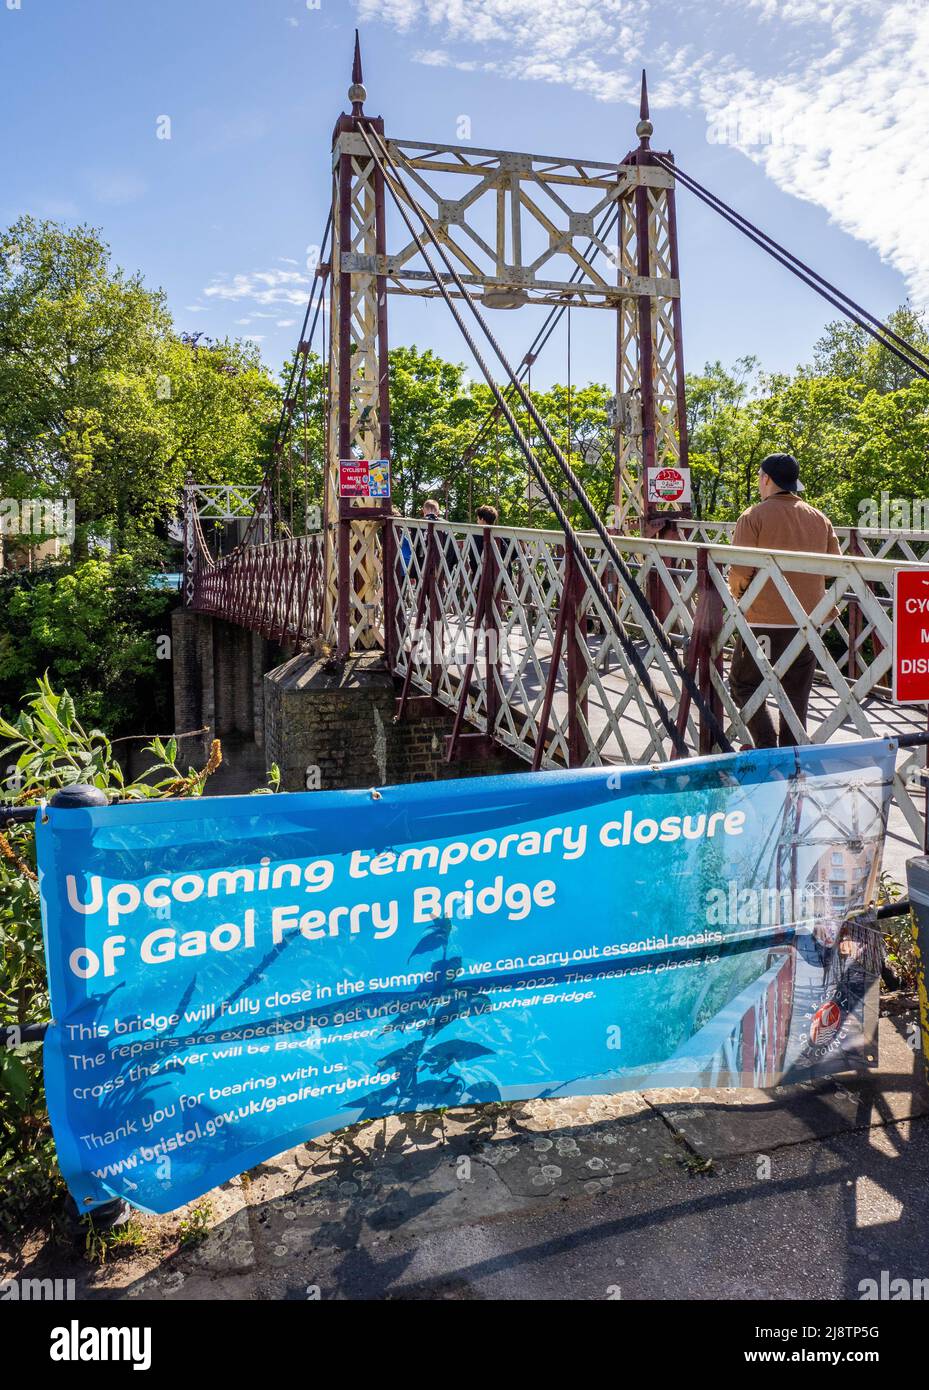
(262, 287)
(832, 95)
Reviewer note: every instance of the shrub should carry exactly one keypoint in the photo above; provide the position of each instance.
(48, 748)
(94, 627)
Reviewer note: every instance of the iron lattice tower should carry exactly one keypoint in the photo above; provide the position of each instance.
(649, 347)
(516, 224)
(359, 409)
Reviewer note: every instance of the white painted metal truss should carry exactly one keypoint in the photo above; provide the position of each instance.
(597, 702)
(905, 545)
(226, 501)
(507, 217)
(519, 228)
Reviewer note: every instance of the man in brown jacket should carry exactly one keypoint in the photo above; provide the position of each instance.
(780, 521)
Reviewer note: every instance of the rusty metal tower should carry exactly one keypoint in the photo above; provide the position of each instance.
(649, 348)
(359, 412)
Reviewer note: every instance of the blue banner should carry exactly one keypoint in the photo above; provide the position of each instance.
(233, 976)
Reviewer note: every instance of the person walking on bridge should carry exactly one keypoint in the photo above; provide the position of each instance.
(780, 521)
(487, 516)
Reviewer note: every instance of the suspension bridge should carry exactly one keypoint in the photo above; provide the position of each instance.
(565, 647)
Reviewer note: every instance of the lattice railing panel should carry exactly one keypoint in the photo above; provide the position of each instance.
(597, 708)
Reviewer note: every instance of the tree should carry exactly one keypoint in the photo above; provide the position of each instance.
(849, 353)
(726, 442)
(95, 627)
(432, 419)
(100, 401)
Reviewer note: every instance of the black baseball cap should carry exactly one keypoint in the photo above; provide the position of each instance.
(784, 470)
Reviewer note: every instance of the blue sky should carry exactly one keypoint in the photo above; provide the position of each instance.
(809, 117)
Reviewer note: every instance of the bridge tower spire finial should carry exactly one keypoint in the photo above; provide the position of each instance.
(645, 128)
(356, 92)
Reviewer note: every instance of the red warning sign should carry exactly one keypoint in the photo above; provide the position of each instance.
(669, 484)
(364, 478)
(911, 637)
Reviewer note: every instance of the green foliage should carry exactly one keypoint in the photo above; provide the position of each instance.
(856, 418)
(440, 450)
(899, 935)
(47, 747)
(849, 353)
(194, 1228)
(131, 1238)
(100, 400)
(94, 627)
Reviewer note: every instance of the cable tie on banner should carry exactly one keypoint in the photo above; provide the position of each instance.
(43, 813)
(375, 795)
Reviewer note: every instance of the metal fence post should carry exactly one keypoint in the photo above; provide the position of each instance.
(712, 611)
(917, 879)
(854, 615)
(432, 566)
(388, 564)
(576, 629)
(491, 618)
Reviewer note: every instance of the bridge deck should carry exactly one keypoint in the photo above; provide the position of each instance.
(524, 676)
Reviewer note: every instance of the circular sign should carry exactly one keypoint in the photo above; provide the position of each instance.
(668, 483)
(825, 1022)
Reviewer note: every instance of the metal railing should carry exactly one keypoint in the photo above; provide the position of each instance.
(899, 545)
(275, 589)
(500, 626)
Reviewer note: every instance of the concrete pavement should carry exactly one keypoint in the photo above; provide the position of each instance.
(797, 1192)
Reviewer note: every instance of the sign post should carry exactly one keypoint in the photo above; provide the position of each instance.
(911, 687)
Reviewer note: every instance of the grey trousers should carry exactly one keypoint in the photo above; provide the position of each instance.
(797, 682)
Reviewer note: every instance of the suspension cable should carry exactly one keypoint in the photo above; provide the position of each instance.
(880, 332)
(266, 491)
(645, 609)
(571, 537)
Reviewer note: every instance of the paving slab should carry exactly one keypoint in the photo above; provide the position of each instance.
(431, 1172)
(228, 1247)
(828, 1222)
(718, 1123)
